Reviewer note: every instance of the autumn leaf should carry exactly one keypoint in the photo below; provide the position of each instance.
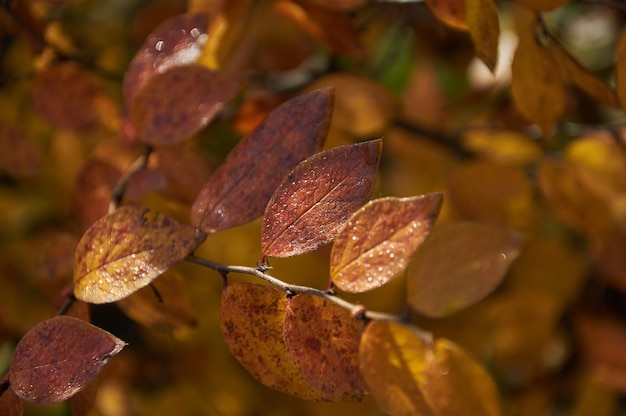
(544, 5)
(176, 104)
(451, 12)
(393, 359)
(322, 338)
(379, 240)
(177, 41)
(252, 318)
(59, 357)
(125, 251)
(620, 68)
(317, 197)
(239, 189)
(24, 158)
(458, 265)
(10, 404)
(484, 29)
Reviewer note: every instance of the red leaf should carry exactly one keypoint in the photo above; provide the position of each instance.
(379, 240)
(176, 104)
(239, 189)
(59, 357)
(10, 404)
(317, 197)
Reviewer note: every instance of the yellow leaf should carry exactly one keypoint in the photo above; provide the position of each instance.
(508, 147)
(484, 28)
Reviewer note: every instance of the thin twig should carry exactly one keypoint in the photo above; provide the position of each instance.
(120, 187)
(69, 301)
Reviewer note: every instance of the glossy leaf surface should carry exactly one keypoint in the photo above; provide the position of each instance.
(323, 340)
(125, 251)
(458, 265)
(317, 197)
(176, 104)
(59, 357)
(252, 318)
(239, 189)
(379, 240)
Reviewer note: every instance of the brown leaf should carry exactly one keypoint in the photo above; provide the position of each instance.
(177, 41)
(458, 265)
(82, 403)
(393, 359)
(22, 155)
(59, 357)
(252, 318)
(172, 312)
(323, 340)
(536, 85)
(10, 404)
(451, 12)
(239, 189)
(340, 4)
(317, 197)
(94, 190)
(544, 5)
(484, 28)
(620, 68)
(379, 240)
(176, 104)
(125, 251)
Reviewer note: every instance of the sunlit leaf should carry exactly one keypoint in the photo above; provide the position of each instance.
(484, 28)
(507, 147)
(164, 306)
(239, 189)
(582, 77)
(323, 340)
(536, 85)
(175, 42)
(379, 240)
(451, 12)
(175, 104)
(393, 360)
(59, 357)
(317, 197)
(10, 404)
(22, 156)
(455, 384)
(458, 265)
(125, 251)
(252, 318)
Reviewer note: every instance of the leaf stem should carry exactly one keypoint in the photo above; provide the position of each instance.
(120, 186)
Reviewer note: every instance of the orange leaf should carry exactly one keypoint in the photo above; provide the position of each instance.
(323, 340)
(393, 359)
(451, 12)
(252, 318)
(59, 357)
(379, 240)
(125, 251)
(536, 85)
(239, 189)
(176, 104)
(458, 265)
(484, 28)
(317, 197)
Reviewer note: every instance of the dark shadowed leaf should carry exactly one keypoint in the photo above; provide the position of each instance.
(10, 404)
(177, 41)
(458, 265)
(93, 190)
(379, 240)
(126, 250)
(59, 357)
(317, 197)
(83, 402)
(239, 189)
(22, 156)
(176, 104)
(451, 12)
(484, 28)
(252, 318)
(455, 384)
(171, 313)
(323, 340)
(393, 360)
(620, 67)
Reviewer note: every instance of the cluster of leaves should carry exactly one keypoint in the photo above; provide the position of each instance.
(299, 183)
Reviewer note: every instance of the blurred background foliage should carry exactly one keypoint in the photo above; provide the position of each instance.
(553, 335)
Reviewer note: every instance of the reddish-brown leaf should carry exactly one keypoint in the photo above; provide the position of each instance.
(239, 189)
(59, 357)
(94, 190)
(21, 156)
(125, 251)
(252, 318)
(393, 359)
(620, 68)
(379, 240)
(458, 265)
(323, 340)
(175, 104)
(317, 197)
(177, 41)
(341, 4)
(10, 404)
